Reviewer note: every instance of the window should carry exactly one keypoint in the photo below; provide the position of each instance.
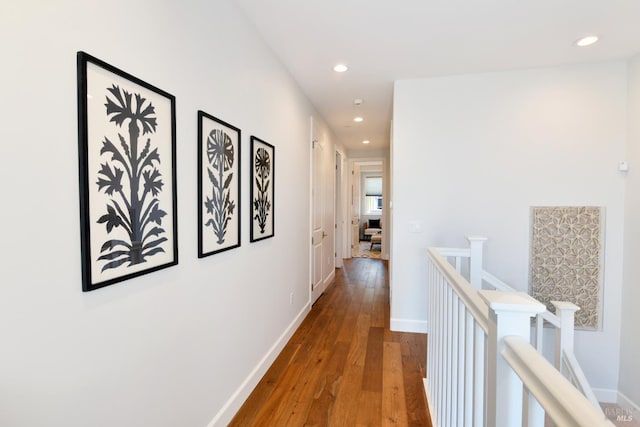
(374, 205)
(373, 194)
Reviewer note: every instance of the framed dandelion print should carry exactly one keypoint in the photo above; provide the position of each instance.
(127, 165)
(262, 189)
(218, 185)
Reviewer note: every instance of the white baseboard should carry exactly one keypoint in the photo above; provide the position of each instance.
(625, 402)
(432, 415)
(606, 395)
(408, 325)
(329, 278)
(229, 409)
(614, 396)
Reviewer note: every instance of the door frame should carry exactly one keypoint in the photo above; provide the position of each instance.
(341, 209)
(314, 291)
(385, 217)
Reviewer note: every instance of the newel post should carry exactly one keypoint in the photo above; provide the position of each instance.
(476, 244)
(564, 337)
(510, 313)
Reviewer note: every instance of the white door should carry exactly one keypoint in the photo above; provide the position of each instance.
(338, 213)
(317, 210)
(355, 236)
(355, 210)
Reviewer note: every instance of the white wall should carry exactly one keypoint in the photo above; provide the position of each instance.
(630, 339)
(172, 347)
(472, 153)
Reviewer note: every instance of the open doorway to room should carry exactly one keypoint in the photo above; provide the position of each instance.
(368, 213)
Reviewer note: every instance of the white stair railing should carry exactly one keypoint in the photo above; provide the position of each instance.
(562, 322)
(456, 363)
(470, 381)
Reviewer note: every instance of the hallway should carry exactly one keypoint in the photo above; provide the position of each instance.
(343, 366)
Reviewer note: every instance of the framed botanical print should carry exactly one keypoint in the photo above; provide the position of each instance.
(262, 189)
(218, 185)
(127, 165)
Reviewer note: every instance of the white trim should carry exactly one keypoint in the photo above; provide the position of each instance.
(606, 395)
(409, 325)
(625, 402)
(432, 415)
(329, 279)
(229, 409)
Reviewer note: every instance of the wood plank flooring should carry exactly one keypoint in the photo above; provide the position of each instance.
(343, 366)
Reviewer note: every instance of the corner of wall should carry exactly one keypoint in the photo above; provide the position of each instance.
(409, 325)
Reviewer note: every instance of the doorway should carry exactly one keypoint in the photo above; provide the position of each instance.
(368, 209)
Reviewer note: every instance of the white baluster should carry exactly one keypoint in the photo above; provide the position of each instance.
(478, 376)
(539, 334)
(564, 337)
(441, 353)
(476, 244)
(468, 377)
(460, 357)
(453, 357)
(449, 352)
(534, 412)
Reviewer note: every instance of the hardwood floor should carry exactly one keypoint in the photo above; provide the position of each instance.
(343, 366)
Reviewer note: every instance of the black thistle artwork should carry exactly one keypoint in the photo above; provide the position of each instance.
(127, 174)
(133, 203)
(218, 185)
(261, 203)
(262, 189)
(219, 206)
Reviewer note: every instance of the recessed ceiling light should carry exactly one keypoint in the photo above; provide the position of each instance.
(366, 141)
(340, 68)
(586, 41)
(358, 119)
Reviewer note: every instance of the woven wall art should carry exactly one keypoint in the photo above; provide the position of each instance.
(566, 259)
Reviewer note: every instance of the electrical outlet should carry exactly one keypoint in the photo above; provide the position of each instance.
(291, 298)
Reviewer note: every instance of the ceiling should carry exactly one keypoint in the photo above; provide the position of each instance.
(384, 40)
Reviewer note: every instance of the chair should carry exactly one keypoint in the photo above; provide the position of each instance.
(372, 228)
(376, 239)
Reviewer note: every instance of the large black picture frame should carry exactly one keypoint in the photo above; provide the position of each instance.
(219, 177)
(127, 168)
(262, 190)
